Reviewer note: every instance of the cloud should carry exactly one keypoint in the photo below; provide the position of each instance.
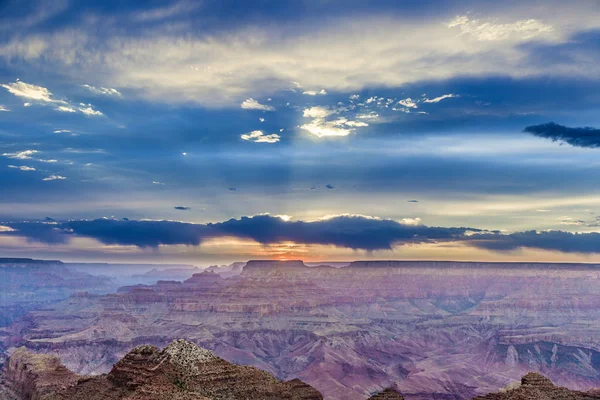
(566, 242)
(321, 126)
(348, 231)
(356, 232)
(172, 10)
(412, 201)
(182, 208)
(260, 137)
(22, 167)
(440, 98)
(54, 178)
(222, 67)
(571, 221)
(2, 108)
(102, 90)
(328, 186)
(44, 96)
(578, 137)
(30, 91)
(68, 109)
(251, 104)
(21, 155)
(521, 30)
(315, 92)
(88, 109)
(408, 102)
(62, 131)
(232, 189)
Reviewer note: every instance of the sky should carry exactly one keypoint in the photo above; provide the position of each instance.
(218, 131)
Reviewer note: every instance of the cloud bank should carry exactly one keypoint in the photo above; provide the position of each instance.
(578, 137)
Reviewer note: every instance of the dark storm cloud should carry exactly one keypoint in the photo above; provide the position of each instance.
(182, 208)
(548, 240)
(347, 231)
(579, 137)
(355, 232)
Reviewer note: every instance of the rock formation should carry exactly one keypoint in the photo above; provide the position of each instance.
(534, 386)
(180, 371)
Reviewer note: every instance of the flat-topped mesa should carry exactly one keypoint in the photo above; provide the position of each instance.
(387, 394)
(473, 265)
(272, 264)
(534, 386)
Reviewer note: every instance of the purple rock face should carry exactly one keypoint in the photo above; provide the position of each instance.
(428, 329)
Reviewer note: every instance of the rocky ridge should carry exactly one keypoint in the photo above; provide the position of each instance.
(180, 371)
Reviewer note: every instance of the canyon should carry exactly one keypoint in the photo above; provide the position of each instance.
(430, 330)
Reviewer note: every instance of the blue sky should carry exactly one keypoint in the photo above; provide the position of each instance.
(421, 114)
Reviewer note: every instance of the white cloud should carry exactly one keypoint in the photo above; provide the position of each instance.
(4, 228)
(231, 65)
(318, 112)
(68, 109)
(260, 137)
(47, 161)
(408, 102)
(157, 183)
(2, 108)
(315, 92)
(251, 104)
(481, 30)
(102, 90)
(410, 221)
(43, 95)
(88, 109)
(21, 155)
(356, 124)
(261, 120)
(54, 178)
(22, 167)
(29, 91)
(62, 131)
(440, 98)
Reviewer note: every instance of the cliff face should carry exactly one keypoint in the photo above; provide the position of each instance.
(180, 371)
(36, 375)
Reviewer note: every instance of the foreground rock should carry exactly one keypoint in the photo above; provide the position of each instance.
(181, 371)
(534, 386)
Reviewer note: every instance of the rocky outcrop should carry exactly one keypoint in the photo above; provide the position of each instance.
(387, 394)
(180, 371)
(37, 375)
(534, 386)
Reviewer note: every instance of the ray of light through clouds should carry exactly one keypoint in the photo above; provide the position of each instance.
(392, 129)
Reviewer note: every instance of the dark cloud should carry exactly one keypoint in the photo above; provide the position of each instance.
(182, 208)
(548, 240)
(330, 186)
(412, 201)
(356, 232)
(348, 231)
(232, 189)
(579, 137)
